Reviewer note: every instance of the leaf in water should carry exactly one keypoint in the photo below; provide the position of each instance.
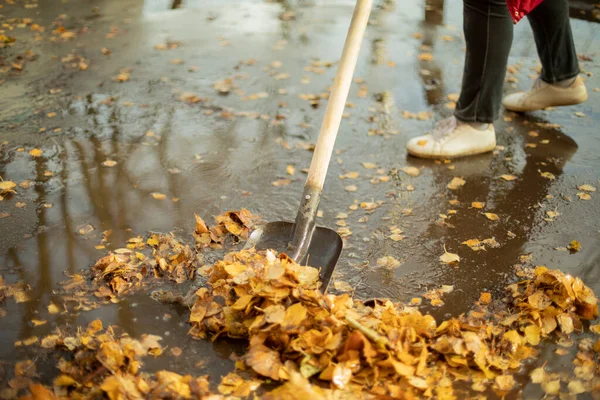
(388, 262)
(109, 163)
(369, 165)
(351, 188)
(508, 178)
(411, 171)
(574, 246)
(159, 196)
(584, 196)
(290, 170)
(548, 175)
(36, 153)
(342, 286)
(349, 175)
(281, 182)
(449, 258)
(7, 186)
(478, 204)
(38, 322)
(492, 216)
(456, 183)
(586, 188)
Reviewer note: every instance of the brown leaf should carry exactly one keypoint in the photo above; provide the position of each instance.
(264, 361)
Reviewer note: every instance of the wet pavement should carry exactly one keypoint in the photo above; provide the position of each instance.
(170, 132)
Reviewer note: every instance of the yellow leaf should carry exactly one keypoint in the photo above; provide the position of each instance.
(349, 175)
(492, 216)
(65, 381)
(574, 246)
(456, 183)
(6, 186)
(411, 171)
(548, 175)
(508, 177)
(369, 165)
(425, 57)
(109, 163)
(290, 170)
(586, 188)
(532, 334)
(351, 188)
(449, 258)
(35, 152)
(38, 322)
(485, 297)
(53, 309)
(584, 196)
(478, 204)
(281, 182)
(159, 196)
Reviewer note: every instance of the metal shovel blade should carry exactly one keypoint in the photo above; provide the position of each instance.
(323, 252)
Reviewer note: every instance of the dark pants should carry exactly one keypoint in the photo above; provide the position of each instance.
(488, 32)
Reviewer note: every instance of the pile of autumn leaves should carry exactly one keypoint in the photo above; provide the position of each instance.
(298, 335)
(316, 346)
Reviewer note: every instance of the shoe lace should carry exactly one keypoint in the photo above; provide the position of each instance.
(443, 128)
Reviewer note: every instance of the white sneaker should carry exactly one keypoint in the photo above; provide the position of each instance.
(452, 138)
(543, 95)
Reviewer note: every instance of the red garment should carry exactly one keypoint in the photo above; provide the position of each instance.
(520, 8)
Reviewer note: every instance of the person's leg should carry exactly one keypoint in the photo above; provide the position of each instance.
(559, 83)
(554, 40)
(488, 31)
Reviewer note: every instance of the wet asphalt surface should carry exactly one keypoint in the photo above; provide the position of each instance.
(224, 152)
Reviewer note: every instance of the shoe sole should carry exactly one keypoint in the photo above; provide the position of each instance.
(564, 104)
(439, 157)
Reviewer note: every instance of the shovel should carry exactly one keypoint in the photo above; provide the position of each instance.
(304, 242)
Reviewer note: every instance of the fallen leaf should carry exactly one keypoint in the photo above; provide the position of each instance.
(456, 183)
(411, 171)
(574, 246)
(351, 188)
(159, 196)
(584, 196)
(281, 182)
(369, 165)
(586, 188)
(349, 175)
(425, 57)
(485, 297)
(290, 170)
(109, 163)
(38, 322)
(35, 152)
(478, 204)
(53, 309)
(492, 216)
(449, 258)
(548, 175)
(508, 177)
(342, 286)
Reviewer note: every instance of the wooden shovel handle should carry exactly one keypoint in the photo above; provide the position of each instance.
(338, 96)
